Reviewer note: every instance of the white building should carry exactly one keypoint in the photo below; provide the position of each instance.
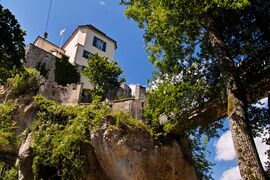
(83, 42)
(86, 40)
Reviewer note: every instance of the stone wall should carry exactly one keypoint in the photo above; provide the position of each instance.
(69, 94)
(140, 92)
(133, 106)
(37, 58)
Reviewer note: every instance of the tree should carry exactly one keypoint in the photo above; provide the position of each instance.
(103, 74)
(175, 29)
(11, 45)
(65, 72)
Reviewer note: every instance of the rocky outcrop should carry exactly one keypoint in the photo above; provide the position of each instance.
(132, 155)
(25, 159)
(120, 155)
(24, 115)
(115, 154)
(2, 94)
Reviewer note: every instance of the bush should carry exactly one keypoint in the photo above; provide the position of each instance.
(24, 82)
(125, 121)
(66, 73)
(7, 126)
(61, 136)
(104, 74)
(8, 142)
(11, 174)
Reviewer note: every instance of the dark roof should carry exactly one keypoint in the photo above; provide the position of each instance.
(90, 27)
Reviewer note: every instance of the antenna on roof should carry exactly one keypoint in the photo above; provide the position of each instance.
(47, 22)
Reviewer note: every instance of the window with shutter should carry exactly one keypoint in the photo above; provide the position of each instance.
(86, 54)
(98, 43)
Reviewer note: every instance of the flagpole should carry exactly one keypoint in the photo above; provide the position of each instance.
(62, 32)
(61, 41)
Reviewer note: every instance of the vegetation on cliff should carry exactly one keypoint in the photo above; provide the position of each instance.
(66, 73)
(25, 82)
(8, 141)
(62, 133)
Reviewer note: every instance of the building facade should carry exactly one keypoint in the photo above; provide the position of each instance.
(83, 42)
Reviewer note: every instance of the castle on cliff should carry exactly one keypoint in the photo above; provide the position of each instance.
(83, 42)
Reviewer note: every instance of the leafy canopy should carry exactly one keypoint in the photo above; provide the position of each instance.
(177, 41)
(103, 74)
(25, 82)
(11, 45)
(65, 72)
(7, 127)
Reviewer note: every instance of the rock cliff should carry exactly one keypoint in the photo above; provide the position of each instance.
(121, 155)
(116, 154)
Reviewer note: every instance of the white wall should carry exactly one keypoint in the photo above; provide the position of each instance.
(80, 60)
(83, 40)
(110, 46)
(71, 47)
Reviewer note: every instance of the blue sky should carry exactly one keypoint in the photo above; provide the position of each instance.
(108, 16)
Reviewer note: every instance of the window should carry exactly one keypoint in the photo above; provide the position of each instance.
(86, 54)
(83, 67)
(98, 43)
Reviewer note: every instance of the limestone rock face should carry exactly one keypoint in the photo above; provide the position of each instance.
(25, 159)
(120, 154)
(132, 155)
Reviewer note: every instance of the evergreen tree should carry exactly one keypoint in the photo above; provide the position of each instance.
(11, 45)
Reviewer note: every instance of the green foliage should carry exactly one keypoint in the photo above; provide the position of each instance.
(103, 74)
(64, 131)
(24, 82)
(175, 101)
(125, 121)
(11, 45)
(11, 174)
(7, 127)
(176, 35)
(259, 122)
(66, 73)
(8, 142)
(41, 67)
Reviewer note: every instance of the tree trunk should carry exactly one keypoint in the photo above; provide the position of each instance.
(247, 155)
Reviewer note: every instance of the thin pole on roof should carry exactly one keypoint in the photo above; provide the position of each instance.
(47, 24)
(48, 19)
